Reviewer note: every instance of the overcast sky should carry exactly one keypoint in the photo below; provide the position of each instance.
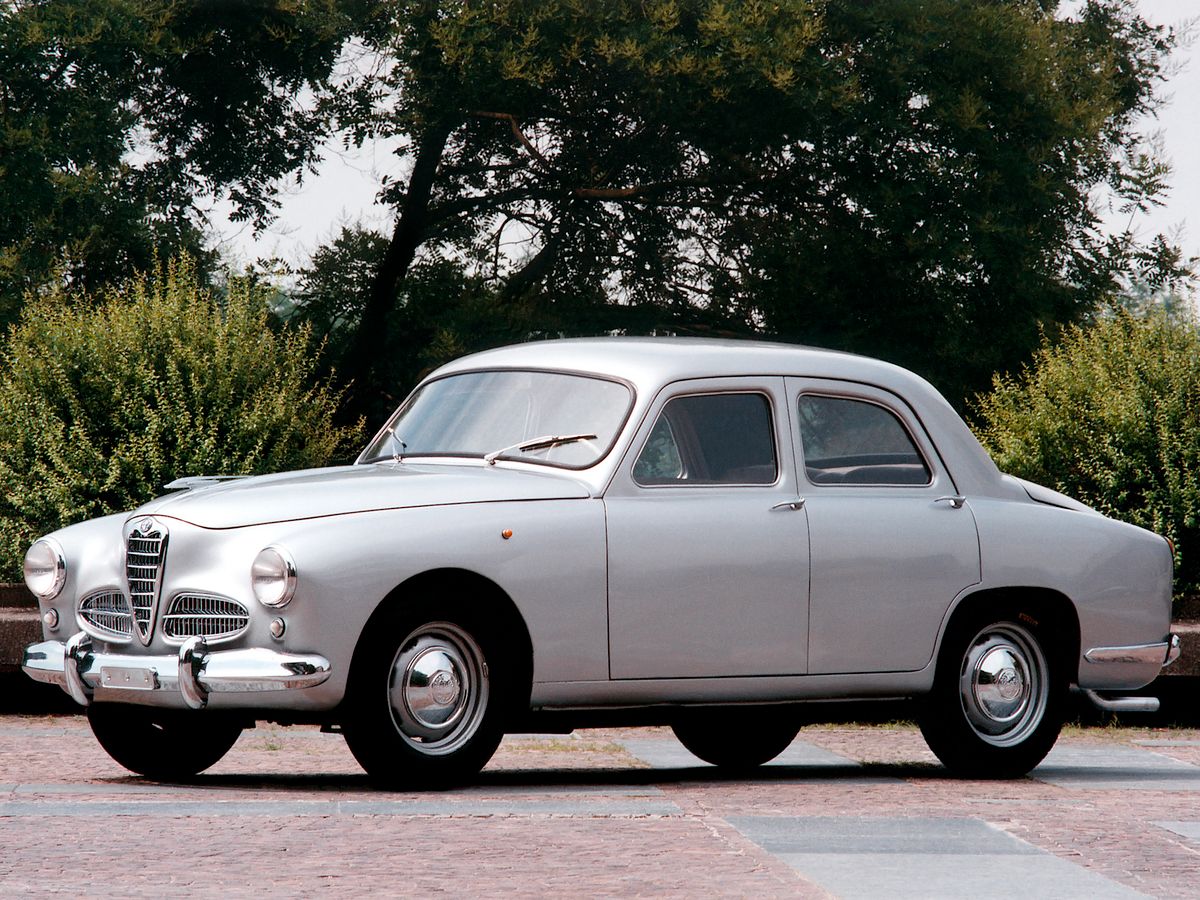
(343, 191)
(1179, 125)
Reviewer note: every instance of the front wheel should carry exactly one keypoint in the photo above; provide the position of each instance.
(997, 703)
(163, 744)
(424, 709)
(737, 739)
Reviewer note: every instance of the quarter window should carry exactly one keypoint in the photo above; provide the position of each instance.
(710, 439)
(856, 442)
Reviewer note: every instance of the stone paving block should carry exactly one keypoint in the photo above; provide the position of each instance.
(1189, 830)
(858, 857)
(979, 877)
(667, 753)
(862, 834)
(1116, 768)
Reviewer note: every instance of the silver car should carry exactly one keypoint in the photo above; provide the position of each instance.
(710, 535)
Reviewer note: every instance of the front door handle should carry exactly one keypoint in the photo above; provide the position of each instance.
(956, 502)
(796, 504)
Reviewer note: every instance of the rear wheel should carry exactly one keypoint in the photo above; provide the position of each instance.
(997, 704)
(424, 704)
(740, 738)
(164, 744)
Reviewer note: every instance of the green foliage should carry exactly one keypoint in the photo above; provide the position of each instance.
(334, 284)
(905, 179)
(115, 115)
(1111, 416)
(103, 402)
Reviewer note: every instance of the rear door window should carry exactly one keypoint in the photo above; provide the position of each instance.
(850, 441)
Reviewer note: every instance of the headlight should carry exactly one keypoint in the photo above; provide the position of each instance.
(45, 568)
(273, 576)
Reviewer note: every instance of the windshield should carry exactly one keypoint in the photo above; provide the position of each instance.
(481, 413)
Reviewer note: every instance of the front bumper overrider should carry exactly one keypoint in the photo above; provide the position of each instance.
(194, 673)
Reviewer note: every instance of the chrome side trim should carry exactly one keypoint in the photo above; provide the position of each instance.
(73, 666)
(1160, 653)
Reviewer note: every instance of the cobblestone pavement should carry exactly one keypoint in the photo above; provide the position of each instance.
(846, 811)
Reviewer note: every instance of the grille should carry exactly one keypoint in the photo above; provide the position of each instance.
(108, 613)
(145, 552)
(203, 614)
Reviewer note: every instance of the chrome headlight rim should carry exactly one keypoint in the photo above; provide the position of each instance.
(273, 566)
(57, 564)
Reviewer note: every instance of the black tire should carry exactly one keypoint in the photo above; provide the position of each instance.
(737, 739)
(425, 703)
(163, 744)
(998, 699)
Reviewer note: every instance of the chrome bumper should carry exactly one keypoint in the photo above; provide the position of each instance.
(194, 673)
(1162, 653)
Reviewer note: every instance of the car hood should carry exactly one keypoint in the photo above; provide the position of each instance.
(314, 493)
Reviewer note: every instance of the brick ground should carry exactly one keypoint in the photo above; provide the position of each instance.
(54, 761)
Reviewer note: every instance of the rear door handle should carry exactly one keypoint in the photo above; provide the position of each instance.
(796, 504)
(956, 502)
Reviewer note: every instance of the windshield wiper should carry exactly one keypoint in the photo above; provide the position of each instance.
(397, 455)
(537, 443)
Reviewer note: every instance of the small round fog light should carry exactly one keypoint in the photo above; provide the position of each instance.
(51, 619)
(278, 627)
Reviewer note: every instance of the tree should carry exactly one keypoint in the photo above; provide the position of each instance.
(115, 115)
(333, 285)
(909, 179)
(105, 400)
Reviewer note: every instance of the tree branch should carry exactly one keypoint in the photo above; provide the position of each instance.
(517, 133)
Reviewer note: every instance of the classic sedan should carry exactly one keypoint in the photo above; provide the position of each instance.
(711, 535)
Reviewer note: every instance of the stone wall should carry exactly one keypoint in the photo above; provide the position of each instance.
(19, 624)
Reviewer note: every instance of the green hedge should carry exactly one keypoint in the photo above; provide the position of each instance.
(105, 400)
(1110, 415)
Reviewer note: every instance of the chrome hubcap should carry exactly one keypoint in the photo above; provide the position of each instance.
(432, 686)
(1004, 684)
(438, 688)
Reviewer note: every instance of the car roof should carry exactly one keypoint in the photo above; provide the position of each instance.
(650, 363)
